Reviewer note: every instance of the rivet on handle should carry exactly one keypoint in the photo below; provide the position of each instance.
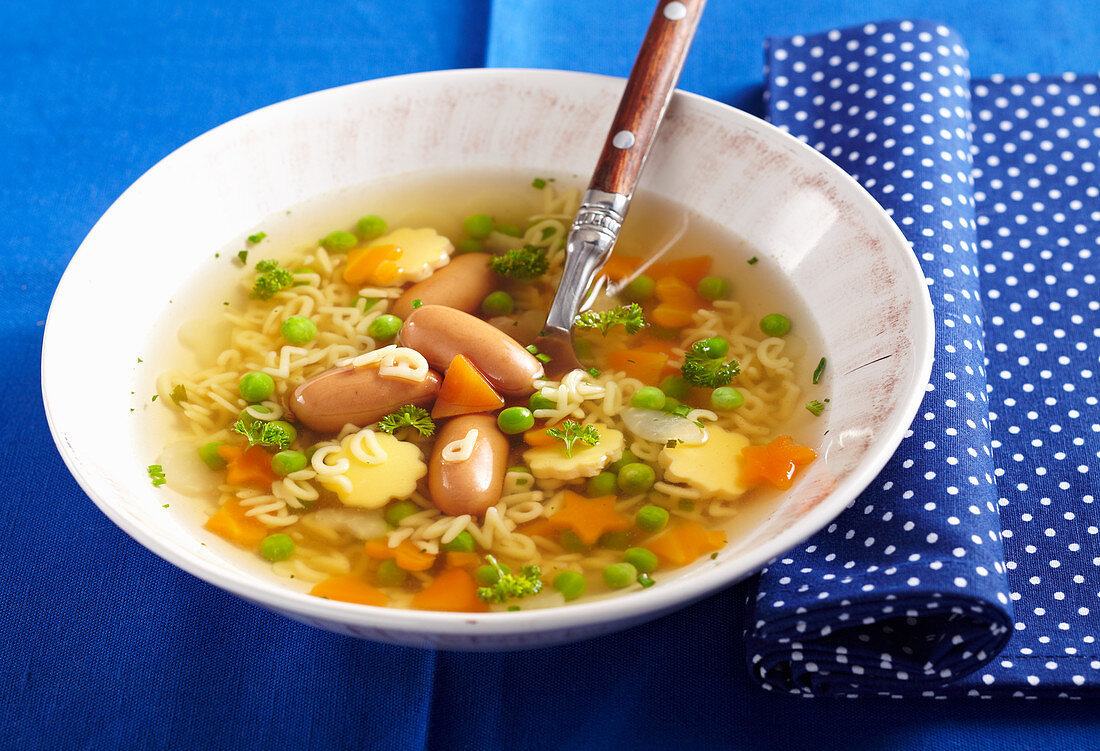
(674, 11)
(624, 139)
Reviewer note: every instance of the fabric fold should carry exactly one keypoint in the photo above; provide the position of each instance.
(907, 589)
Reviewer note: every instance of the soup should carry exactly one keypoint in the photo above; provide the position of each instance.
(370, 416)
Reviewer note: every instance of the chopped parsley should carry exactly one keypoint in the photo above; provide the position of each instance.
(528, 262)
(547, 232)
(258, 237)
(408, 416)
(819, 370)
(179, 393)
(270, 279)
(701, 369)
(594, 372)
(156, 474)
(539, 183)
(815, 408)
(753, 260)
(630, 316)
(242, 256)
(416, 303)
(261, 433)
(646, 581)
(154, 397)
(570, 432)
(509, 586)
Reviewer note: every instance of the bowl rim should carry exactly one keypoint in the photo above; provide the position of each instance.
(608, 611)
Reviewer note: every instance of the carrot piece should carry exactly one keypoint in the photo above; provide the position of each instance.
(457, 559)
(689, 270)
(375, 265)
(618, 267)
(454, 590)
(349, 589)
(537, 436)
(231, 523)
(406, 555)
(683, 543)
(777, 462)
(538, 528)
(678, 303)
(589, 517)
(464, 391)
(645, 366)
(251, 466)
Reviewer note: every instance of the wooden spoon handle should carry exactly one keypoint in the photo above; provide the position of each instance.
(648, 91)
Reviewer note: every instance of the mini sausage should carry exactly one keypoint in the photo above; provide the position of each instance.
(440, 333)
(329, 401)
(473, 485)
(461, 284)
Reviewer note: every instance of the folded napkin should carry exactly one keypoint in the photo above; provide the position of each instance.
(971, 565)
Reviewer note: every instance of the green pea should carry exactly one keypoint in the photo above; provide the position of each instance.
(487, 576)
(515, 420)
(497, 303)
(571, 584)
(619, 575)
(462, 543)
(288, 462)
(775, 324)
(641, 559)
(390, 574)
(208, 452)
(538, 401)
(671, 404)
(572, 542)
(713, 288)
(636, 478)
(617, 540)
(725, 398)
(398, 510)
(298, 330)
(277, 547)
(384, 327)
(370, 227)
(478, 226)
(676, 387)
(310, 452)
(339, 241)
(469, 245)
(601, 485)
(651, 518)
(715, 347)
(648, 397)
(640, 288)
(628, 457)
(512, 230)
(256, 386)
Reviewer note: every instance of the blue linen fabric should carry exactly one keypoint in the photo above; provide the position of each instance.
(910, 589)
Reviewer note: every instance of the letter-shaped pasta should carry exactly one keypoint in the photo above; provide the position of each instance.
(404, 363)
(368, 358)
(462, 449)
(364, 446)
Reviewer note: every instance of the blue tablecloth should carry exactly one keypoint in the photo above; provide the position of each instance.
(106, 646)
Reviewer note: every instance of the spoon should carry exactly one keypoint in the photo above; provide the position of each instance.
(605, 202)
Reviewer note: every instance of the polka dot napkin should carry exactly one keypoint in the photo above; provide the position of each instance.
(971, 566)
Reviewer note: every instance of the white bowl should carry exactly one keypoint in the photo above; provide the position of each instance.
(839, 250)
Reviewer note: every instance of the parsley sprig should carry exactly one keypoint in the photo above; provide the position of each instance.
(630, 316)
(509, 586)
(702, 369)
(409, 416)
(528, 262)
(270, 279)
(261, 433)
(570, 432)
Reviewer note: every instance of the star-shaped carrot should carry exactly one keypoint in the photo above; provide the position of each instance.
(589, 517)
(777, 462)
